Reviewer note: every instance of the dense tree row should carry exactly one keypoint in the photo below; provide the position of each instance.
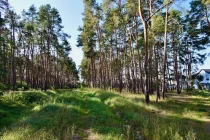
(141, 45)
(34, 50)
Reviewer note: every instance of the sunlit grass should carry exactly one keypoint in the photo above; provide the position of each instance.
(98, 114)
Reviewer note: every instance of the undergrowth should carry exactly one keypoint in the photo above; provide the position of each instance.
(90, 114)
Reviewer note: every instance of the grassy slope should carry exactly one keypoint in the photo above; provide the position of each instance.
(95, 114)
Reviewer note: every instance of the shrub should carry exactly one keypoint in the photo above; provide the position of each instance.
(1, 93)
(26, 133)
(31, 97)
(3, 86)
(53, 87)
(191, 135)
(22, 86)
(3, 113)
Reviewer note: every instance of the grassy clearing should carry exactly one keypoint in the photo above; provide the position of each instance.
(96, 114)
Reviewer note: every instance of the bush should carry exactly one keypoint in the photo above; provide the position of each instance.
(3, 86)
(31, 97)
(191, 135)
(53, 87)
(20, 89)
(22, 86)
(190, 88)
(3, 114)
(1, 93)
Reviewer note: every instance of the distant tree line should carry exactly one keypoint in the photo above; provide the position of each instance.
(34, 49)
(140, 45)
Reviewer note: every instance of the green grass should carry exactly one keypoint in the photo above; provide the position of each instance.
(97, 114)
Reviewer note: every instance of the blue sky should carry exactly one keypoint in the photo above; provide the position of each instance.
(71, 14)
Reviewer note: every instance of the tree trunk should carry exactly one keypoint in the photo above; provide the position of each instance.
(13, 59)
(146, 51)
(176, 75)
(156, 73)
(165, 53)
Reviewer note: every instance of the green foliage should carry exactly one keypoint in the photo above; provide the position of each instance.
(88, 114)
(191, 135)
(31, 97)
(21, 86)
(3, 72)
(194, 27)
(158, 25)
(167, 1)
(21, 36)
(206, 2)
(2, 87)
(27, 97)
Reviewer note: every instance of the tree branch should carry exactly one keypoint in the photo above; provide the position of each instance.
(171, 1)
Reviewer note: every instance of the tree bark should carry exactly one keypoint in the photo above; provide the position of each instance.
(146, 51)
(165, 53)
(156, 73)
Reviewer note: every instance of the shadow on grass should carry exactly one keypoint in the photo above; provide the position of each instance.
(180, 104)
(199, 93)
(137, 115)
(11, 112)
(179, 107)
(82, 111)
(106, 113)
(104, 95)
(142, 119)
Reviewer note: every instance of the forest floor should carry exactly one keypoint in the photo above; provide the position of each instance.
(95, 114)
